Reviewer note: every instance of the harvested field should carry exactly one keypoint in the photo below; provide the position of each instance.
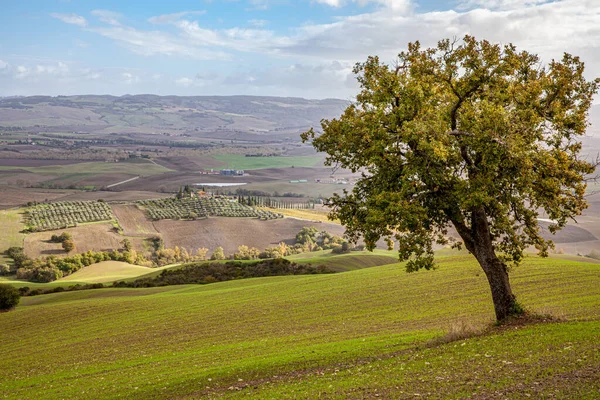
(95, 237)
(15, 197)
(230, 233)
(83, 179)
(129, 195)
(133, 221)
(24, 162)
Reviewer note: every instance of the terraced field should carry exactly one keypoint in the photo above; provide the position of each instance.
(360, 334)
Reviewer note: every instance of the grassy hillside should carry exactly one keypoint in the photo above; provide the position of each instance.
(106, 271)
(332, 336)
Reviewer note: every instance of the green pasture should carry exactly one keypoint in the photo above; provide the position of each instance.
(347, 335)
(239, 161)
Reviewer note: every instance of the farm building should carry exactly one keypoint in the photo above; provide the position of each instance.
(232, 172)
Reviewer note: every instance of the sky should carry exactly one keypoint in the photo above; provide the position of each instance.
(303, 48)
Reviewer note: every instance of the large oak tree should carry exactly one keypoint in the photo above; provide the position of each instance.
(468, 134)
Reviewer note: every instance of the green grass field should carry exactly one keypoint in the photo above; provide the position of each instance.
(106, 271)
(11, 221)
(351, 335)
(239, 161)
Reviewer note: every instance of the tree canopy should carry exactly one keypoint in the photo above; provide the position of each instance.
(468, 134)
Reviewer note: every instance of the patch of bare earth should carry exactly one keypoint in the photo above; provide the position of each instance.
(230, 233)
(95, 237)
(129, 195)
(133, 221)
(15, 197)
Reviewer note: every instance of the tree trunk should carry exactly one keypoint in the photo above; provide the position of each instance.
(479, 243)
(505, 303)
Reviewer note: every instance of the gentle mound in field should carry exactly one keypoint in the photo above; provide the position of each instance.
(106, 271)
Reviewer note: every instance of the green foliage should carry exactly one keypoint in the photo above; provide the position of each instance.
(246, 253)
(473, 135)
(52, 268)
(18, 256)
(203, 273)
(126, 243)
(63, 214)
(218, 254)
(9, 297)
(457, 129)
(68, 245)
(308, 234)
(61, 238)
(4, 269)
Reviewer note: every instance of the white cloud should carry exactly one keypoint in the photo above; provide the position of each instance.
(73, 19)
(129, 78)
(60, 69)
(148, 43)
(394, 5)
(108, 17)
(170, 18)
(310, 51)
(499, 4)
(3, 65)
(184, 82)
(258, 23)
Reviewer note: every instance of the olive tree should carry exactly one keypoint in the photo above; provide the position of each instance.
(468, 134)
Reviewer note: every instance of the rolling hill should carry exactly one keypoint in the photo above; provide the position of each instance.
(360, 334)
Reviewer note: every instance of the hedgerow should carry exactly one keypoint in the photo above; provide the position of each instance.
(209, 272)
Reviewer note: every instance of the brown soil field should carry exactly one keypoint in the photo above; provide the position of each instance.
(230, 233)
(22, 162)
(95, 237)
(129, 195)
(15, 197)
(25, 177)
(98, 180)
(133, 221)
(569, 234)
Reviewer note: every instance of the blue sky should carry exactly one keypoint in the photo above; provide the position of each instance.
(300, 48)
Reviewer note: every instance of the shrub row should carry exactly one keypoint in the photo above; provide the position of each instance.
(209, 272)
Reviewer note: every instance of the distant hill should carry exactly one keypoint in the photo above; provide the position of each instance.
(167, 114)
